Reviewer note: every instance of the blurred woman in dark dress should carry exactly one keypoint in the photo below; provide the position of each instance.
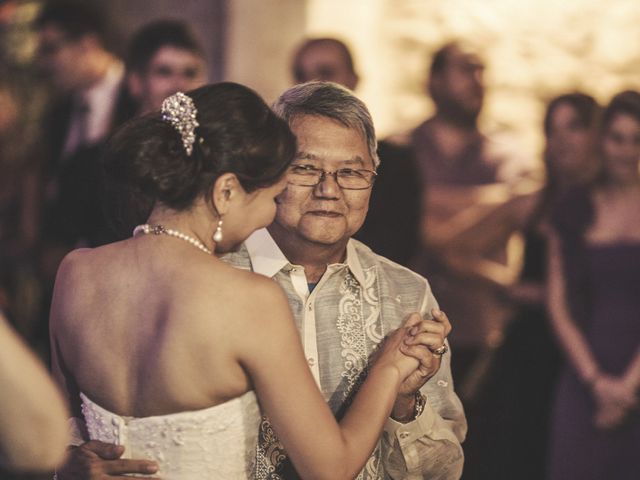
(527, 364)
(594, 282)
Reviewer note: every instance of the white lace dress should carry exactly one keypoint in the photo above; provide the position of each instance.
(215, 443)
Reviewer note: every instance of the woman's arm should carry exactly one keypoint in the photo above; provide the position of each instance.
(318, 447)
(632, 374)
(570, 337)
(614, 396)
(33, 430)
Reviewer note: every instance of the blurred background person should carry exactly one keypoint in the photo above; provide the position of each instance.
(397, 187)
(594, 280)
(163, 57)
(33, 426)
(74, 54)
(473, 208)
(570, 129)
(326, 59)
(529, 360)
(89, 99)
(475, 201)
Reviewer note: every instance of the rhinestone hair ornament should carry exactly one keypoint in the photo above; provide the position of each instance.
(180, 111)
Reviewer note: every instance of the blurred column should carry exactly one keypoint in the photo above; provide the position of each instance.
(260, 39)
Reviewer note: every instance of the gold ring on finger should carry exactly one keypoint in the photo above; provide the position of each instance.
(441, 350)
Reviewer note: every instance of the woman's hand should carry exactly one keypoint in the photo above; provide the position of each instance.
(389, 353)
(418, 339)
(427, 338)
(614, 401)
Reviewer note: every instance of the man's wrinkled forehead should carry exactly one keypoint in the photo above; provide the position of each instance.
(307, 150)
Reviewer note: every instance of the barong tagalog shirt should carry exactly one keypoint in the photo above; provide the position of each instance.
(341, 321)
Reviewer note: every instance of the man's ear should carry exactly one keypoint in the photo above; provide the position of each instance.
(226, 191)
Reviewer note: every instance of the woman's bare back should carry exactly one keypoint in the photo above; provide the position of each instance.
(150, 327)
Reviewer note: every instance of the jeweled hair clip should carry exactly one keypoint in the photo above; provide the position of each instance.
(180, 111)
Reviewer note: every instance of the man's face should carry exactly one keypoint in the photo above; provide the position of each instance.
(460, 87)
(325, 214)
(326, 62)
(61, 58)
(170, 70)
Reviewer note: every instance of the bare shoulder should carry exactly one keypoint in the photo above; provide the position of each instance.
(75, 258)
(72, 267)
(82, 259)
(254, 298)
(256, 291)
(77, 279)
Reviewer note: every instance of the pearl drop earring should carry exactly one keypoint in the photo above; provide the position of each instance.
(217, 236)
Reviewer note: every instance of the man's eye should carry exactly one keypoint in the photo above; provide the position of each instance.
(191, 73)
(348, 172)
(304, 169)
(163, 71)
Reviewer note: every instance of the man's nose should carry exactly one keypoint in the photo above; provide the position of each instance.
(179, 83)
(328, 186)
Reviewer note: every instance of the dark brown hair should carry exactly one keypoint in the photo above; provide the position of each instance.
(237, 133)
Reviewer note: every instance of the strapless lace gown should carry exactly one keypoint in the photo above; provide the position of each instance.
(215, 443)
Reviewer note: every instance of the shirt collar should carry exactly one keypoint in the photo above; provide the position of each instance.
(106, 89)
(265, 255)
(353, 262)
(267, 258)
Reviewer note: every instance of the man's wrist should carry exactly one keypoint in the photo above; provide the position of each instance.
(408, 407)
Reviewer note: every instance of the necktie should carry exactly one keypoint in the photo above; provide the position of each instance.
(78, 128)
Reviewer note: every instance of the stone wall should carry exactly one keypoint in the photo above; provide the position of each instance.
(535, 49)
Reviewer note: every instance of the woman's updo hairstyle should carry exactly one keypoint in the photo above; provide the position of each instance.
(237, 133)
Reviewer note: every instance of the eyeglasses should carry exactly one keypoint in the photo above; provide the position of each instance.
(346, 178)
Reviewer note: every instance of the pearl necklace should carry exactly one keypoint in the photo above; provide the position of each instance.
(161, 230)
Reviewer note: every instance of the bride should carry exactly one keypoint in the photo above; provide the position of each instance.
(166, 350)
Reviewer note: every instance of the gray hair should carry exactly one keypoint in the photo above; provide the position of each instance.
(328, 99)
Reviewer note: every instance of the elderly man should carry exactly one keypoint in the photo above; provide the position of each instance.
(344, 297)
(398, 185)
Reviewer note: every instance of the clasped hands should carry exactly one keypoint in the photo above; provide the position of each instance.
(423, 340)
(615, 399)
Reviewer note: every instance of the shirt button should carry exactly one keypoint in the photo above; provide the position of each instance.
(310, 307)
(442, 383)
(404, 435)
(311, 361)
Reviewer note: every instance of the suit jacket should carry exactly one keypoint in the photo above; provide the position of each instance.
(74, 189)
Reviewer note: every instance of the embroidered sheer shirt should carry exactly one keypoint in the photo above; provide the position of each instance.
(350, 310)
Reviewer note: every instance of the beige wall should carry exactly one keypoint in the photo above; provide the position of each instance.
(260, 37)
(535, 49)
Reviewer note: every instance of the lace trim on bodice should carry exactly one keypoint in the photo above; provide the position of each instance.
(216, 442)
